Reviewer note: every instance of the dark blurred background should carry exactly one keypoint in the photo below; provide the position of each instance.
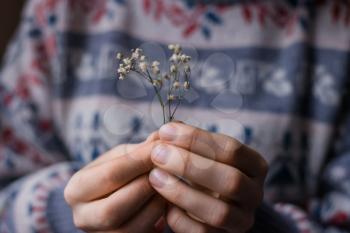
(10, 11)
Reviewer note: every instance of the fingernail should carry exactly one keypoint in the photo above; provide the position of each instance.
(167, 132)
(158, 178)
(160, 154)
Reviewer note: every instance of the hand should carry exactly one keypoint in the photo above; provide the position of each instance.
(113, 194)
(221, 180)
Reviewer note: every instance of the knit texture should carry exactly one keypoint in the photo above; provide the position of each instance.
(273, 74)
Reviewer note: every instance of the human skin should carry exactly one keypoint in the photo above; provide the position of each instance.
(113, 194)
(212, 183)
(223, 179)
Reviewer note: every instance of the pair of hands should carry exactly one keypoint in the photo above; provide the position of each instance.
(212, 182)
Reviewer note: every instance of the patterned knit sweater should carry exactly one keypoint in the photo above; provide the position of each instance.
(273, 74)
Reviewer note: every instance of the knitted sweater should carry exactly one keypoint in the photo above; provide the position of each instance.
(272, 74)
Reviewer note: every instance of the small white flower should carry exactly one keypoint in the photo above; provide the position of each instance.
(127, 61)
(155, 70)
(122, 70)
(177, 49)
(171, 97)
(174, 58)
(176, 84)
(155, 67)
(179, 70)
(171, 46)
(119, 56)
(155, 63)
(173, 68)
(136, 54)
(143, 66)
(184, 58)
(128, 68)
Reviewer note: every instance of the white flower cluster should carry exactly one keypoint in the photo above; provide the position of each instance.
(177, 79)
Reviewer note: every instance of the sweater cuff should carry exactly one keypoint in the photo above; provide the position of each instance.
(26, 204)
(59, 214)
(267, 220)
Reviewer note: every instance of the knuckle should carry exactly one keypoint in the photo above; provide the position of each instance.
(108, 175)
(221, 216)
(230, 147)
(233, 183)
(174, 219)
(187, 164)
(178, 194)
(193, 137)
(145, 187)
(104, 219)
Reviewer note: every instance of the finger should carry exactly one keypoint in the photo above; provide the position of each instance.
(112, 211)
(215, 176)
(180, 222)
(161, 224)
(147, 218)
(210, 210)
(98, 181)
(112, 154)
(152, 137)
(215, 146)
(121, 150)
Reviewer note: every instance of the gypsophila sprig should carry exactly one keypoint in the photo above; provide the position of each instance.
(170, 87)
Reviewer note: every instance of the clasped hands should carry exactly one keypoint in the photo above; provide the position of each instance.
(194, 180)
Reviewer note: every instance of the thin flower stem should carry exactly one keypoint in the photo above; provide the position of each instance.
(169, 105)
(150, 79)
(174, 90)
(177, 105)
(170, 88)
(181, 95)
(158, 95)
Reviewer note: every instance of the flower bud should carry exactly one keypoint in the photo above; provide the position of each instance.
(176, 84)
(155, 70)
(143, 66)
(119, 56)
(171, 97)
(173, 68)
(171, 46)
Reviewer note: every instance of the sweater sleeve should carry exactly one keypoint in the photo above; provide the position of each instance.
(33, 160)
(28, 136)
(329, 212)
